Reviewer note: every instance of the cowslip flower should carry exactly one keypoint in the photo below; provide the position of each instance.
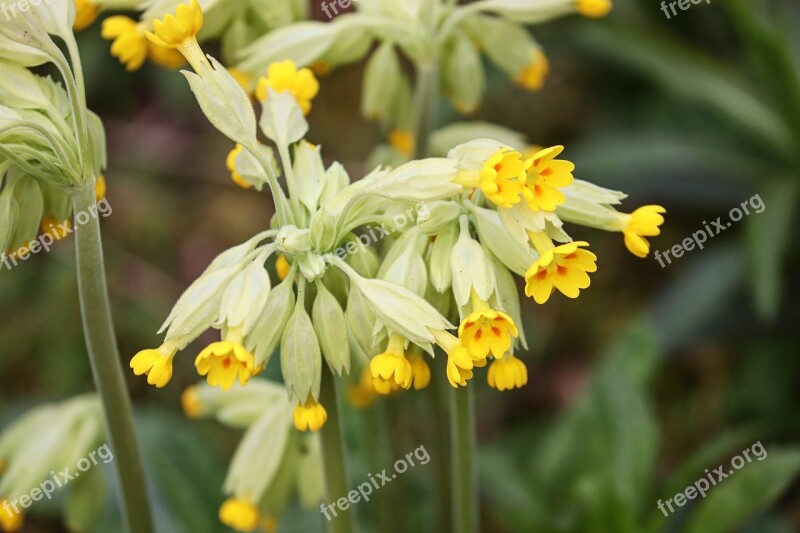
(57, 230)
(564, 267)
(224, 362)
(285, 76)
(507, 373)
(100, 188)
(155, 363)
(643, 222)
(593, 8)
(545, 176)
(179, 32)
(129, 41)
(391, 367)
(533, 75)
(190, 402)
(486, 331)
(282, 267)
(309, 415)
(164, 57)
(239, 514)
(459, 363)
(419, 369)
(362, 394)
(501, 178)
(402, 141)
(86, 13)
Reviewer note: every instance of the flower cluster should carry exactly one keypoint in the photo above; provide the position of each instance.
(50, 143)
(492, 212)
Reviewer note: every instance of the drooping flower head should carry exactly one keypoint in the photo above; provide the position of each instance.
(644, 222)
(285, 76)
(239, 514)
(309, 415)
(564, 267)
(391, 368)
(533, 75)
(507, 373)
(174, 30)
(129, 41)
(224, 362)
(545, 176)
(156, 364)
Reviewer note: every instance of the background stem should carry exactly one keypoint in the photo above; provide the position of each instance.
(462, 451)
(104, 358)
(333, 457)
(426, 99)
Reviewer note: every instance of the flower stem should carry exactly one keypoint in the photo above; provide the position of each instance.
(104, 358)
(462, 451)
(333, 457)
(437, 399)
(426, 99)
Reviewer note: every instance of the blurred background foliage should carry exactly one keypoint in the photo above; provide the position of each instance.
(653, 375)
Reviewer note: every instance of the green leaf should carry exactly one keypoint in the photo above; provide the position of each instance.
(748, 491)
(767, 236)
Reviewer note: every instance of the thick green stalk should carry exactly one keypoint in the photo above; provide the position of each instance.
(104, 358)
(437, 397)
(462, 451)
(333, 456)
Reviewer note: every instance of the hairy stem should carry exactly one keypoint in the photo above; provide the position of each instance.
(104, 358)
(426, 99)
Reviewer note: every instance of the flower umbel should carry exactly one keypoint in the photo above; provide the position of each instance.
(310, 415)
(155, 363)
(225, 361)
(563, 267)
(644, 222)
(285, 76)
(239, 514)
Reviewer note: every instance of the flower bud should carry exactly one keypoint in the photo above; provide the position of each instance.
(301, 360)
(329, 323)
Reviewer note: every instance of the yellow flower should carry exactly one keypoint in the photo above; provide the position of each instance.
(363, 394)
(402, 141)
(231, 164)
(310, 415)
(487, 331)
(593, 8)
(502, 177)
(225, 361)
(10, 520)
(644, 222)
(282, 267)
(168, 58)
(391, 367)
(564, 268)
(459, 366)
(190, 401)
(321, 68)
(239, 514)
(130, 43)
(285, 76)
(545, 176)
(57, 230)
(86, 13)
(420, 370)
(100, 188)
(533, 75)
(157, 364)
(174, 30)
(507, 373)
